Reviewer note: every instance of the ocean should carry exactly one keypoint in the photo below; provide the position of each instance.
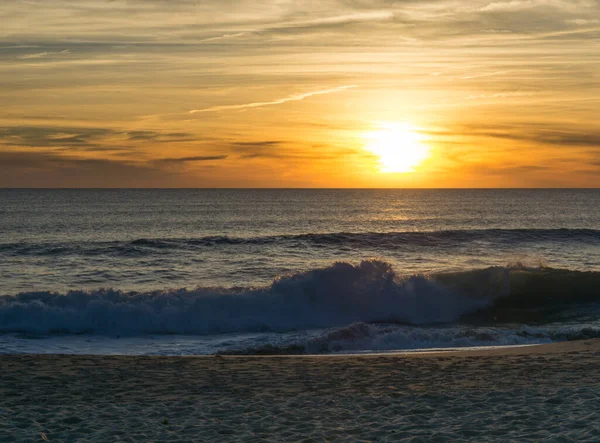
(194, 271)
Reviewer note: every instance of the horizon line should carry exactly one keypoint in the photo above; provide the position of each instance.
(296, 188)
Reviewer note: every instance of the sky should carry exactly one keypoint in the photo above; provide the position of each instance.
(283, 93)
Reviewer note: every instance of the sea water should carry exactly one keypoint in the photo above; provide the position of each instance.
(184, 272)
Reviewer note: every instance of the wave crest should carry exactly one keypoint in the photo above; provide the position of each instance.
(338, 295)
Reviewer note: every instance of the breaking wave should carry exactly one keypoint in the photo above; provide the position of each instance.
(364, 337)
(371, 292)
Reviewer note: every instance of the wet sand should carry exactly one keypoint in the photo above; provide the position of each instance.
(549, 392)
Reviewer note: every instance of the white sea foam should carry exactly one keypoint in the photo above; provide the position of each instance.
(355, 338)
(367, 337)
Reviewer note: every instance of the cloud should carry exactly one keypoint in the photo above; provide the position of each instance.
(501, 95)
(305, 25)
(583, 21)
(276, 149)
(43, 54)
(505, 169)
(163, 137)
(567, 139)
(161, 22)
(223, 37)
(44, 169)
(38, 55)
(514, 5)
(82, 138)
(199, 158)
(546, 135)
(257, 149)
(167, 57)
(329, 22)
(43, 136)
(291, 98)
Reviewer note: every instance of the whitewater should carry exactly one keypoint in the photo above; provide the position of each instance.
(192, 272)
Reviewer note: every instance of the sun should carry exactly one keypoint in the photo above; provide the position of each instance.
(398, 146)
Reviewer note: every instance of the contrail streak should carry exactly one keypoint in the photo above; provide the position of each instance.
(291, 98)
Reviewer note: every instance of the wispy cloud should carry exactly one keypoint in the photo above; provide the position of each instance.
(37, 169)
(550, 135)
(198, 158)
(291, 98)
(88, 139)
(334, 20)
(500, 95)
(30, 56)
(223, 37)
(172, 85)
(514, 5)
(43, 54)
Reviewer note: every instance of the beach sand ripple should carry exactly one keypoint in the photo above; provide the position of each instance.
(542, 393)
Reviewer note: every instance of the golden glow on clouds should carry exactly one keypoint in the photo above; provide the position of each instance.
(269, 93)
(398, 146)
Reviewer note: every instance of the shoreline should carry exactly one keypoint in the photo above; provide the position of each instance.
(468, 351)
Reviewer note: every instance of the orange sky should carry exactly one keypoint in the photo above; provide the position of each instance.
(280, 93)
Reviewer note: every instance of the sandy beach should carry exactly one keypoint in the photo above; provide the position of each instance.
(548, 392)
